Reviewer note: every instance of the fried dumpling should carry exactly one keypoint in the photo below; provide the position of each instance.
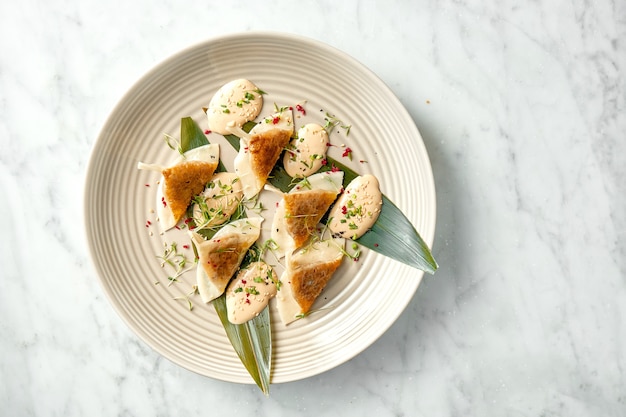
(260, 149)
(307, 272)
(220, 257)
(182, 181)
(299, 211)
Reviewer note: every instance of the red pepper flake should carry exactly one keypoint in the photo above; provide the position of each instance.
(328, 144)
(348, 153)
(375, 245)
(324, 161)
(356, 259)
(163, 201)
(275, 120)
(185, 246)
(334, 169)
(363, 161)
(188, 220)
(177, 227)
(248, 301)
(207, 132)
(344, 210)
(244, 282)
(277, 204)
(147, 185)
(301, 109)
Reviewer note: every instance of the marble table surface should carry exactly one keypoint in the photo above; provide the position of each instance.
(522, 110)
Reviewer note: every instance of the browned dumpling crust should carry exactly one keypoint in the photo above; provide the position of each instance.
(303, 211)
(265, 149)
(184, 181)
(308, 281)
(223, 256)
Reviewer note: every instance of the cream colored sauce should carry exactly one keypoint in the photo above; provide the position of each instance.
(250, 292)
(306, 152)
(237, 102)
(328, 181)
(282, 120)
(221, 198)
(357, 209)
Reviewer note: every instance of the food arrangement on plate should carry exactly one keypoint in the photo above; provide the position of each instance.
(325, 211)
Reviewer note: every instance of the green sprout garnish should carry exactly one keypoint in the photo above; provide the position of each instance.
(332, 122)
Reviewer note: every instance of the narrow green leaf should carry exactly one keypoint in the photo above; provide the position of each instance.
(252, 342)
(191, 136)
(392, 235)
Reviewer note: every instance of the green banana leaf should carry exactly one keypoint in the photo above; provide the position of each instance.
(251, 341)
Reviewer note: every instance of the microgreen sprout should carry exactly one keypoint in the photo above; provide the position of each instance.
(331, 122)
(187, 299)
(308, 313)
(173, 143)
(175, 260)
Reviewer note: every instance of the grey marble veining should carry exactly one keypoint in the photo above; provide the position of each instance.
(522, 109)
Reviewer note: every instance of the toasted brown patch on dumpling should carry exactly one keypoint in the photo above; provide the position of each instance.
(222, 257)
(303, 211)
(265, 149)
(308, 280)
(184, 181)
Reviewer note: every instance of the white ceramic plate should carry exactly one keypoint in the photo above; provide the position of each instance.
(363, 299)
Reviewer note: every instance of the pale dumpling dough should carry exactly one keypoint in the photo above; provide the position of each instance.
(308, 271)
(220, 256)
